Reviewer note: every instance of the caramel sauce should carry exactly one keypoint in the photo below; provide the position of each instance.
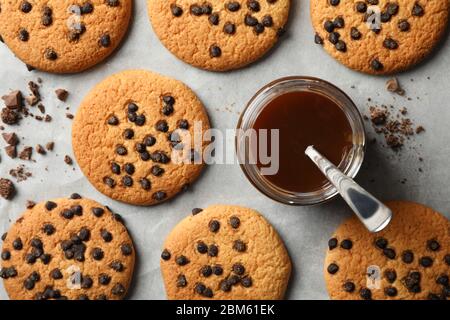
(304, 118)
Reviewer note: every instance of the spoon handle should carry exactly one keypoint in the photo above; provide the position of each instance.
(372, 213)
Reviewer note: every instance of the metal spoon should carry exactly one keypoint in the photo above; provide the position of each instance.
(372, 213)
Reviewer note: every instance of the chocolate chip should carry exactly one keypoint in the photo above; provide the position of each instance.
(36, 243)
(104, 279)
(157, 171)
(381, 243)
(56, 274)
(181, 281)
(181, 260)
(165, 255)
(235, 222)
(233, 280)
(376, 65)
(447, 259)
(149, 141)
(98, 212)
(208, 293)
(339, 22)
(214, 225)
(238, 269)
(239, 246)
(50, 54)
(246, 282)
(206, 9)
(167, 109)
(426, 262)
(126, 249)
(217, 270)
(140, 120)
(206, 271)
(215, 51)
(346, 244)
(418, 10)
(365, 294)
(46, 20)
(332, 268)
(145, 184)
(112, 3)
(159, 196)
(390, 291)
(97, 254)
(250, 21)
(196, 10)
(329, 26)
(333, 37)
(113, 120)
(229, 28)
(253, 5)
(6, 255)
(202, 247)
(24, 35)
(433, 245)
(335, 2)
(86, 282)
(267, 21)
(389, 253)
(17, 244)
(258, 28)
(404, 25)
(48, 229)
(233, 6)
(225, 286)
(45, 258)
(25, 7)
(407, 256)
(176, 10)
(390, 44)
(30, 204)
(390, 275)
(361, 7)
(332, 243)
(349, 286)
(162, 126)
(355, 34)
(105, 40)
(115, 168)
(30, 258)
(128, 134)
(442, 280)
(106, 235)
(28, 284)
(213, 250)
(199, 288)
(116, 266)
(121, 150)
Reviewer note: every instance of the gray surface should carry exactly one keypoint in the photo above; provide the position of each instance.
(304, 230)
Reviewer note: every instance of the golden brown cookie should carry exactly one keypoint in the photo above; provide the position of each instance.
(225, 252)
(218, 35)
(131, 137)
(67, 249)
(410, 259)
(63, 36)
(379, 36)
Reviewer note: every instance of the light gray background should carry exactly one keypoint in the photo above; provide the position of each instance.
(305, 230)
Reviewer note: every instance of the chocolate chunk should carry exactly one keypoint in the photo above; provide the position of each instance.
(140, 120)
(62, 94)
(239, 246)
(13, 100)
(332, 243)
(202, 247)
(40, 149)
(7, 189)
(181, 260)
(199, 288)
(165, 255)
(213, 250)
(407, 256)
(365, 294)
(433, 245)
(126, 249)
(84, 234)
(214, 226)
(206, 271)
(11, 151)
(104, 279)
(349, 286)
(9, 116)
(26, 153)
(346, 244)
(332, 268)
(333, 37)
(426, 262)
(381, 243)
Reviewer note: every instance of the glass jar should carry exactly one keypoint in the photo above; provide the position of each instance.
(350, 164)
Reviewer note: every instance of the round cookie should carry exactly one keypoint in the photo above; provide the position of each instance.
(64, 36)
(219, 35)
(67, 249)
(396, 41)
(131, 137)
(410, 259)
(225, 252)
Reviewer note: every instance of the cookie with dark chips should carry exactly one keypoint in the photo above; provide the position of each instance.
(379, 36)
(225, 252)
(67, 249)
(410, 259)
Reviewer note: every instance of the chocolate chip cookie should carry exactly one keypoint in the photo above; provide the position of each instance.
(379, 36)
(225, 252)
(410, 259)
(67, 249)
(137, 137)
(219, 35)
(63, 36)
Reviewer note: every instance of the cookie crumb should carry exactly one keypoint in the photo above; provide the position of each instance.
(50, 145)
(62, 94)
(393, 86)
(68, 160)
(30, 204)
(20, 173)
(7, 189)
(40, 149)
(26, 153)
